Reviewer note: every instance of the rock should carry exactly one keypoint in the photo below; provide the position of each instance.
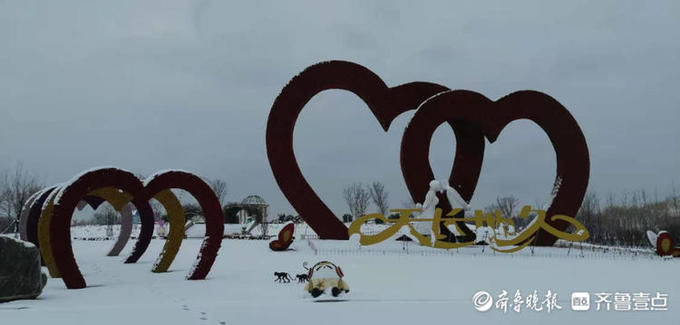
(20, 274)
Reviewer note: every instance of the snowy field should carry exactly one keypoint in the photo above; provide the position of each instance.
(391, 284)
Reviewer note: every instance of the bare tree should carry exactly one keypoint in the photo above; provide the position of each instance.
(106, 215)
(220, 188)
(4, 197)
(357, 198)
(157, 208)
(506, 205)
(539, 204)
(611, 200)
(408, 203)
(15, 188)
(379, 196)
(589, 213)
(5, 224)
(675, 198)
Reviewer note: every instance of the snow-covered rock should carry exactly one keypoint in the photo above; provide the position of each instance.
(20, 273)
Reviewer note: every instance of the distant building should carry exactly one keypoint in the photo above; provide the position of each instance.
(253, 207)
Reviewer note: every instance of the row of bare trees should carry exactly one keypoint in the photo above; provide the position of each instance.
(624, 221)
(359, 196)
(191, 210)
(16, 186)
(620, 221)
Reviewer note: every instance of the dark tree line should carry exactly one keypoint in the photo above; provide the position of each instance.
(618, 221)
(624, 222)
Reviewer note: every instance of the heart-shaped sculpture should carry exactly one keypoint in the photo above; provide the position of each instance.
(39, 216)
(23, 217)
(573, 162)
(210, 205)
(33, 215)
(71, 194)
(467, 166)
(30, 218)
(385, 103)
(65, 204)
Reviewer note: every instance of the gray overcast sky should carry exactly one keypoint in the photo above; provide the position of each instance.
(151, 85)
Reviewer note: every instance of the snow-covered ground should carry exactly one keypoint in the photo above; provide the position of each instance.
(97, 232)
(391, 284)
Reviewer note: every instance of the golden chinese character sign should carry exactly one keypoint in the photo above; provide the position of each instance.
(493, 220)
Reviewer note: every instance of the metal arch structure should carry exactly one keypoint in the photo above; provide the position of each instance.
(47, 221)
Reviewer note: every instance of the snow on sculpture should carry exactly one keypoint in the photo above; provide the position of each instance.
(23, 217)
(663, 243)
(39, 214)
(464, 106)
(472, 117)
(120, 201)
(20, 273)
(173, 240)
(121, 188)
(385, 103)
(212, 211)
(33, 215)
(429, 205)
(44, 234)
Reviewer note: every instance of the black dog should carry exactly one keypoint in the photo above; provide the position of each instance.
(282, 277)
(302, 278)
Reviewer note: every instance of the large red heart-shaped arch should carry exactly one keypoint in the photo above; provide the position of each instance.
(210, 205)
(573, 162)
(66, 202)
(71, 194)
(385, 103)
(33, 215)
